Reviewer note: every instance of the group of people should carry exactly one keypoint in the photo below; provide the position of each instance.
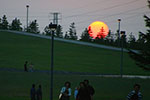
(86, 92)
(83, 92)
(26, 68)
(36, 94)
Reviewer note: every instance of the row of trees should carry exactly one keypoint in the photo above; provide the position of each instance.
(142, 57)
(16, 25)
(111, 39)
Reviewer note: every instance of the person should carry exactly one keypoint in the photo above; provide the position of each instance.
(39, 93)
(65, 91)
(33, 92)
(76, 92)
(83, 93)
(135, 94)
(25, 66)
(89, 88)
(31, 67)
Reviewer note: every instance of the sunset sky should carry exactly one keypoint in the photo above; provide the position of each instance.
(82, 12)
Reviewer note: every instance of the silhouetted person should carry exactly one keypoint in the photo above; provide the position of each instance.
(66, 91)
(39, 93)
(83, 93)
(135, 94)
(25, 66)
(90, 89)
(33, 92)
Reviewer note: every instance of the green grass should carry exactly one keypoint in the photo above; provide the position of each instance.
(16, 49)
(16, 85)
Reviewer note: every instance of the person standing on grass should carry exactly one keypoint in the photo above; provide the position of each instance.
(135, 94)
(39, 93)
(83, 93)
(33, 92)
(65, 91)
(89, 88)
(25, 66)
(31, 67)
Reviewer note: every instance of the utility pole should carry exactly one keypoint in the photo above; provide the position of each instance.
(27, 16)
(56, 16)
(53, 27)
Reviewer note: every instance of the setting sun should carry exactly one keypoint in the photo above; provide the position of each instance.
(98, 29)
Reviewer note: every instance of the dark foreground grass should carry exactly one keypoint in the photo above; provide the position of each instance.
(16, 49)
(16, 85)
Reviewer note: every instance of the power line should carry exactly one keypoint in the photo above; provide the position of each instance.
(112, 7)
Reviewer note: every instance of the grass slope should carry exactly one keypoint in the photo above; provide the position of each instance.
(16, 49)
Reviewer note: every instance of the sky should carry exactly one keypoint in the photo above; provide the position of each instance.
(82, 12)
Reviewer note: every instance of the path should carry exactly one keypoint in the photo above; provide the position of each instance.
(77, 73)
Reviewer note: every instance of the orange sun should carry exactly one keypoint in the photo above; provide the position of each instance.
(98, 29)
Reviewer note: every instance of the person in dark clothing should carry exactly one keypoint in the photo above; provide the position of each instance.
(89, 88)
(83, 93)
(25, 66)
(33, 92)
(39, 93)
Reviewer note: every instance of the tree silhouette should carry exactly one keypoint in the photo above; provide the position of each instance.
(142, 57)
(72, 32)
(101, 34)
(90, 31)
(59, 32)
(33, 27)
(0, 23)
(85, 36)
(16, 25)
(4, 22)
(47, 31)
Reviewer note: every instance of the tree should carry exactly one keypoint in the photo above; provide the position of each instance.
(33, 27)
(47, 30)
(109, 39)
(0, 23)
(85, 36)
(142, 57)
(132, 41)
(59, 32)
(16, 25)
(4, 22)
(66, 36)
(72, 32)
(101, 34)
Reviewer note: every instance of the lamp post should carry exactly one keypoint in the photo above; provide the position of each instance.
(27, 16)
(120, 45)
(119, 20)
(52, 28)
(121, 57)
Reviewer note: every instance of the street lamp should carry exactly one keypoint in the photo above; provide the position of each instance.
(121, 57)
(52, 28)
(119, 20)
(27, 16)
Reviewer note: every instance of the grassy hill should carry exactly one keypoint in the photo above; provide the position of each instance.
(16, 49)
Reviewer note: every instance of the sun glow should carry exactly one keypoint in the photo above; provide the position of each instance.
(98, 29)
